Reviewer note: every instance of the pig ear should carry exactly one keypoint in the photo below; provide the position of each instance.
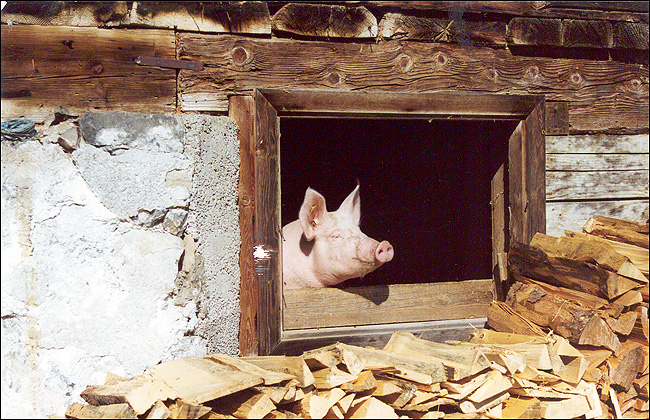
(351, 206)
(312, 213)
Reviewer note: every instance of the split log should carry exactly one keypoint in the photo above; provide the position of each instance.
(534, 263)
(332, 356)
(270, 377)
(503, 318)
(578, 324)
(331, 377)
(110, 411)
(625, 373)
(604, 255)
(371, 408)
(625, 231)
(459, 363)
(292, 365)
(636, 254)
(421, 369)
(180, 409)
(197, 379)
(140, 392)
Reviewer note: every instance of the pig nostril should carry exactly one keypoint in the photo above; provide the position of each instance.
(384, 252)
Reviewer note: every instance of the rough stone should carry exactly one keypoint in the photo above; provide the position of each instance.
(83, 293)
(134, 180)
(115, 131)
(174, 221)
(212, 145)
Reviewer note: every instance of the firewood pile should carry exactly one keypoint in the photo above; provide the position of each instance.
(570, 341)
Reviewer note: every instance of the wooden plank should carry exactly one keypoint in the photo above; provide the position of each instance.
(84, 69)
(241, 109)
(325, 21)
(573, 215)
(331, 307)
(236, 65)
(604, 143)
(580, 162)
(598, 185)
(403, 26)
(267, 256)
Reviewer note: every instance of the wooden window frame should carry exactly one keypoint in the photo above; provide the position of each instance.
(518, 196)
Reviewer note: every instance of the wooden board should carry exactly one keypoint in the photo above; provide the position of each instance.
(561, 186)
(84, 69)
(581, 162)
(573, 215)
(329, 307)
(602, 143)
(237, 65)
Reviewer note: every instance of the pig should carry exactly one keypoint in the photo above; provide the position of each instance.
(323, 248)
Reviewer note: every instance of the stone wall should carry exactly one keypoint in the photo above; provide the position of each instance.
(120, 247)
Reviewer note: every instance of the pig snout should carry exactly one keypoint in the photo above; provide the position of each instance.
(384, 252)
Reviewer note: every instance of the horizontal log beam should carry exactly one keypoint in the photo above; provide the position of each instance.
(237, 65)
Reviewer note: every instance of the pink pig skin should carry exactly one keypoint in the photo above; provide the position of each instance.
(324, 248)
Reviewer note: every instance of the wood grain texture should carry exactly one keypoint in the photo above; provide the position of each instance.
(597, 185)
(573, 215)
(266, 254)
(242, 111)
(583, 162)
(598, 144)
(84, 69)
(403, 26)
(605, 95)
(333, 307)
(230, 17)
(325, 21)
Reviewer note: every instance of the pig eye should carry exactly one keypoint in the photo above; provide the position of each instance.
(336, 235)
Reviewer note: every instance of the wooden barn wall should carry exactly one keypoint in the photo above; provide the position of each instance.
(590, 61)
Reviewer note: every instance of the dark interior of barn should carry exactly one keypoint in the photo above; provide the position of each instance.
(425, 187)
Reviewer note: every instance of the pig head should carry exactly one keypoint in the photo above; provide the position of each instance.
(324, 248)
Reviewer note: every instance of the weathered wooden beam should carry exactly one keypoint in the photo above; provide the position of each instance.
(571, 33)
(330, 307)
(84, 69)
(325, 21)
(251, 17)
(620, 10)
(402, 26)
(236, 65)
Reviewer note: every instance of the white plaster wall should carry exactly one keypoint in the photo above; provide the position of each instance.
(90, 268)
